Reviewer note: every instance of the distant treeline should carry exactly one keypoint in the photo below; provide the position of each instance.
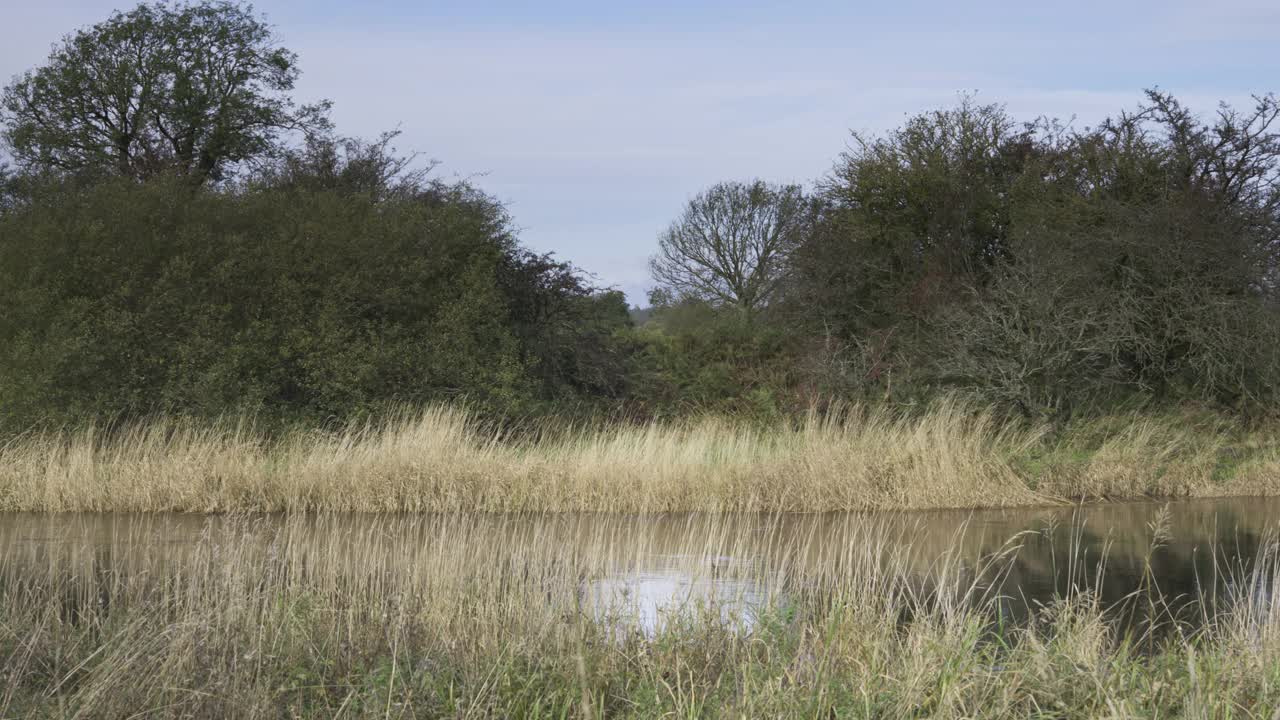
(177, 236)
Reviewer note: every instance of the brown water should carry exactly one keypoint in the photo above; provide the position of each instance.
(1190, 554)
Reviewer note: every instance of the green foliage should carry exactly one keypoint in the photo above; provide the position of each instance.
(1049, 270)
(129, 299)
(696, 358)
(164, 249)
(193, 89)
(912, 218)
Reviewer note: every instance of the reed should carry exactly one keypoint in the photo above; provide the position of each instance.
(440, 459)
(463, 615)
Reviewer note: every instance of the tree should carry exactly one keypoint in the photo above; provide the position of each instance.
(730, 246)
(8, 188)
(348, 165)
(1048, 269)
(329, 288)
(913, 218)
(192, 89)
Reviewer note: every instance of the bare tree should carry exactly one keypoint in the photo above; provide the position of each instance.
(730, 246)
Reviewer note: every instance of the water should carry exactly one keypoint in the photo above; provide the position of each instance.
(1188, 558)
(645, 571)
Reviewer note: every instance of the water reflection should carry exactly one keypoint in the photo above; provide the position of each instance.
(657, 597)
(652, 570)
(1147, 564)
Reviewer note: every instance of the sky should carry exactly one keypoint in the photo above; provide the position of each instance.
(596, 121)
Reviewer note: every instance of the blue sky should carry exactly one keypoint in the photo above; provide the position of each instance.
(596, 121)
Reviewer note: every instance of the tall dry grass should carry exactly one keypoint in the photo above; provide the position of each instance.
(440, 460)
(462, 615)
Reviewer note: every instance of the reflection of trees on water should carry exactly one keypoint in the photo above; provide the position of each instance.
(1105, 549)
(1148, 566)
(1142, 581)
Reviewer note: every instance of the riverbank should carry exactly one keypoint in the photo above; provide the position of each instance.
(308, 617)
(952, 456)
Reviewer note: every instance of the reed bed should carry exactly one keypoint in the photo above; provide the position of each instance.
(442, 460)
(466, 615)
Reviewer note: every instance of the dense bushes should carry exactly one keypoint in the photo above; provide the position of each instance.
(1046, 271)
(691, 358)
(1050, 270)
(127, 298)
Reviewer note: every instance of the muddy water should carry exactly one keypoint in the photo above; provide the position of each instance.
(1194, 555)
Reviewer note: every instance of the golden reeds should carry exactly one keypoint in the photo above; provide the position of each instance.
(461, 615)
(440, 460)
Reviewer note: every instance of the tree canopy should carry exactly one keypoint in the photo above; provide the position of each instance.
(1048, 268)
(177, 235)
(195, 89)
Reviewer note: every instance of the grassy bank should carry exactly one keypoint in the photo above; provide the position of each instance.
(440, 460)
(492, 616)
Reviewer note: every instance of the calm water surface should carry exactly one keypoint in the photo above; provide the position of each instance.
(648, 567)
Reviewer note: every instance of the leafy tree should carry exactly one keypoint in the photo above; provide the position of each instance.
(195, 89)
(1049, 269)
(569, 331)
(730, 246)
(300, 301)
(912, 218)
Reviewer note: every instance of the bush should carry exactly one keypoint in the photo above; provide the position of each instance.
(127, 299)
(1048, 270)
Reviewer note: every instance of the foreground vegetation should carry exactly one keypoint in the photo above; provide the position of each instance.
(484, 616)
(444, 460)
